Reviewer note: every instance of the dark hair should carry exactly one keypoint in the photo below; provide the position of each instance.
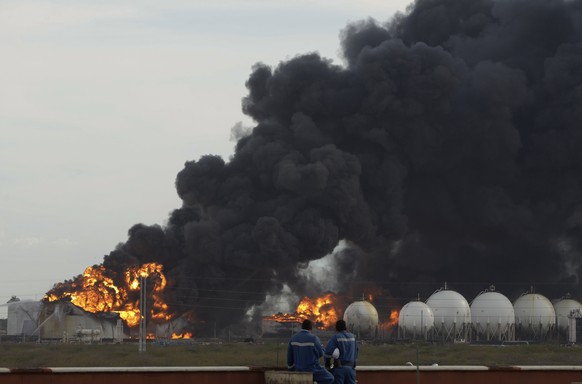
(340, 325)
(307, 324)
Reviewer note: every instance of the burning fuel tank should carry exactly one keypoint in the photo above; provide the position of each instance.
(361, 318)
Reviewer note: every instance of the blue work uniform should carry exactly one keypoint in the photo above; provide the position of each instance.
(303, 354)
(345, 370)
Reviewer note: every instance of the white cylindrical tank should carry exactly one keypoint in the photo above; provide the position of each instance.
(415, 320)
(493, 317)
(23, 317)
(535, 316)
(361, 318)
(452, 315)
(563, 308)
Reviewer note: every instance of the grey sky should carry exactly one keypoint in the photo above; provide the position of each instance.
(102, 102)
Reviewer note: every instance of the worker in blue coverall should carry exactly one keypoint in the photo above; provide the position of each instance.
(303, 354)
(344, 367)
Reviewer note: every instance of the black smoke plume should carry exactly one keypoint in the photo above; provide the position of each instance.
(446, 147)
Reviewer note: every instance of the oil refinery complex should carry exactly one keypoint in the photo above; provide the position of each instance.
(446, 316)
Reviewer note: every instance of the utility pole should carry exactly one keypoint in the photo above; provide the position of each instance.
(142, 314)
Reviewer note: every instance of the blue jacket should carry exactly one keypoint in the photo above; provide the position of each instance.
(304, 351)
(348, 348)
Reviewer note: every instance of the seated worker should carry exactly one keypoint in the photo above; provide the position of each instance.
(344, 369)
(303, 354)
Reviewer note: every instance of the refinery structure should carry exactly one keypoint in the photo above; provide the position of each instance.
(445, 316)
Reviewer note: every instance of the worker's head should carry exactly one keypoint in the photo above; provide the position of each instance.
(340, 325)
(307, 324)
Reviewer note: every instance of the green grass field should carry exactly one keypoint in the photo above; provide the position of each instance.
(273, 354)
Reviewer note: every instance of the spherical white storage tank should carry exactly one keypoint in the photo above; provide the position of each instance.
(563, 308)
(361, 318)
(534, 316)
(452, 315)
(492, 317)
(415, 320)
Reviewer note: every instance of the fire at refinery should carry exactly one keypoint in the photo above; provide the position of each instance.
(361, 315)
(186, 335)
(389, 327)
(393, 319)
(431, 154)
(99, 290)
(96, 291)
(323, 311)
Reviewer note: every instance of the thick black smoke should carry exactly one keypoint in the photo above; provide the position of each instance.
(448, 147)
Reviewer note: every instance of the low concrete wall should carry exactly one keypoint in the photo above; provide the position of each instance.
(134, 375)
(286, 377)
(250, 375)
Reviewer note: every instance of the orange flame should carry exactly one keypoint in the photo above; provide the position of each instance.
(285, 318)
(185, 335)
(393, 321)
(95, 292)
(321, 310)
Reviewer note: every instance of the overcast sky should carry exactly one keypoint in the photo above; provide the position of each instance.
(102, 102)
